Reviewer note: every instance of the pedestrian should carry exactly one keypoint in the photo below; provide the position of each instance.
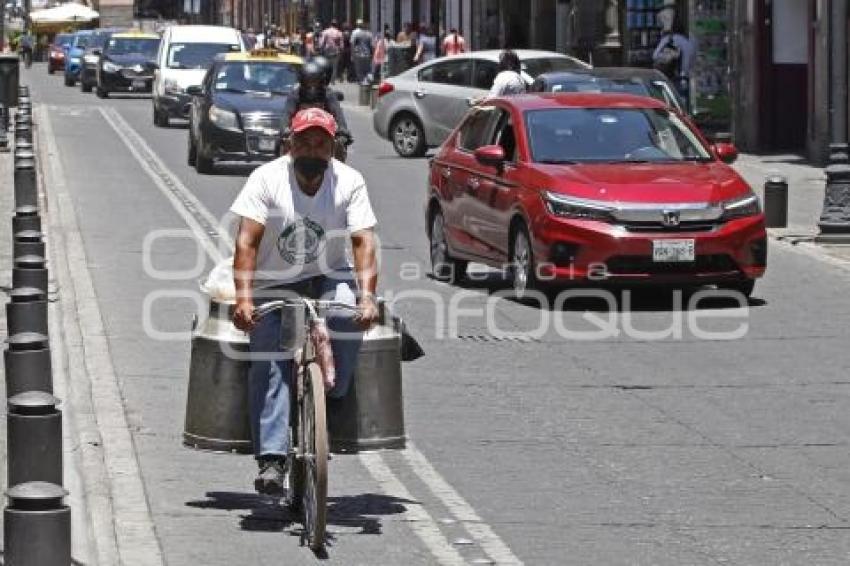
(296, 42)
(299, 214)
(454, 43)
(403, 36)
(310, 44)
(379, 58)
(361, 50)
(26, 47)
(330, 45)
(674, 55)
(426, 48)
(345, 65)
(508, 81)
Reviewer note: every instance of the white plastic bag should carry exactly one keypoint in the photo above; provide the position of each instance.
(219, 283)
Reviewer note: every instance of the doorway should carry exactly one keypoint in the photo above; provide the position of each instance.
(783, 93)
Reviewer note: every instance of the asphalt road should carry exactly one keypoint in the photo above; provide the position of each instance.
(532, 443)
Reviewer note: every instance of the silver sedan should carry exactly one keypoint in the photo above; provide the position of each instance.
(420, 107)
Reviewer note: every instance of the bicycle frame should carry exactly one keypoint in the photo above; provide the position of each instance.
(308, 425)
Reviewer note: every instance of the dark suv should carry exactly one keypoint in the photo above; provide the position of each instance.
(127, 63)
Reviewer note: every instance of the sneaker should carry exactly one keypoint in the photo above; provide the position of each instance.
(272, 477)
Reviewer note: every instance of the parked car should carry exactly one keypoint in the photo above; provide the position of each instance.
(236, 111)
(628, 80)
(185, 53)
(91, 57)
(126, 63)
(74, 56)
(419, 108)
(56, 52)
(572, 187)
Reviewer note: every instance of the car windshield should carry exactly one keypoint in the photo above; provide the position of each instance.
(146, 46)
(62, 39)
(98, 39)
(611, 135)
(278, 78)
(540, 65)
(595, 84)
(196, 55)
(82, 41)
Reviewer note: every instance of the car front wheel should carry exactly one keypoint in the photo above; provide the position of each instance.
(85, 87)
(745, 287)
(408, 137)
(192, 154)
(101, 92)
(69, 80)
(159, 118)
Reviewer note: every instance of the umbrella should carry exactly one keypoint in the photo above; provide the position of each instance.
(65, 13)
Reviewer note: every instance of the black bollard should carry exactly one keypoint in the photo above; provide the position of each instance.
(34, 438)
(27, 363)
(26, 218)
(23, 147)
(37, 526)
(30, 271)
(23, 131)
(776, 202)
(26, 191)
(26, 311)
(27, 242)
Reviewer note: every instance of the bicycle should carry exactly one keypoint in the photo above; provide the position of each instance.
(302, 332)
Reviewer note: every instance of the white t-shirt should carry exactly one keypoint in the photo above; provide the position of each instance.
(304, 235)
(507, 83)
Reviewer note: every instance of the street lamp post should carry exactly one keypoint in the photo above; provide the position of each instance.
(834, 221)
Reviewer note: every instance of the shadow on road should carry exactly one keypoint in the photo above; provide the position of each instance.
(270, 514)
(626, 298)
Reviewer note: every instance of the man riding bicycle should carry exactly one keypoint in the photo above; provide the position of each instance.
(298, 215)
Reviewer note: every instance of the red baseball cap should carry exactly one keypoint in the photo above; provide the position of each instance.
(313, 118)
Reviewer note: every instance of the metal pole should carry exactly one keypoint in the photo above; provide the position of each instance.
(835, 217)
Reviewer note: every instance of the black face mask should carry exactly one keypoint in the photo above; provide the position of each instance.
(310, 167)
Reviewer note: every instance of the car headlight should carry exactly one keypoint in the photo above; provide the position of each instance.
(741, 207)
(580, 209)
(223, 118)
(75, 59)
(91, 59)
(111, 67)
(172, 87)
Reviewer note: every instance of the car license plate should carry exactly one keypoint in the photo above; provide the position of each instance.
(266, 144)
(139, 83)
(673, 250)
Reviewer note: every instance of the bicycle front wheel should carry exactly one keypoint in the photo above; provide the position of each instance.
(315, 437)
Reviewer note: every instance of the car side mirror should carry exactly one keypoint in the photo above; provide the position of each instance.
(97, 52)
(194, 90)
(340, 96)
(726, 152)
(491, 156)
(154, 66)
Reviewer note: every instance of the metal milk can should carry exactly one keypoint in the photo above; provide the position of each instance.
(217, 415)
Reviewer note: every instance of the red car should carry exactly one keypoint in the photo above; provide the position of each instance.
(56, 52)
(591, 187)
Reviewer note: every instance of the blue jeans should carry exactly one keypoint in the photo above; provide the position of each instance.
(270, 376)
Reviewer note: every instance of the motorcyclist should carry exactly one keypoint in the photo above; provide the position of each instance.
(313, 92)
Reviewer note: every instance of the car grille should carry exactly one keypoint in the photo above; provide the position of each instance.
(687, 226)
(131, 73)
(636, 264)
(261, 121)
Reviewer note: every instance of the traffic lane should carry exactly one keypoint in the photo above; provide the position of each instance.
(216, 494)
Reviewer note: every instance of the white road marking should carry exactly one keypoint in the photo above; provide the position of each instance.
(120, 517)
(481, 533)
(424, 526)
(420, 521)
(201, 222)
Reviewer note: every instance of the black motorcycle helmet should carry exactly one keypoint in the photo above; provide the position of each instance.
(311, 81)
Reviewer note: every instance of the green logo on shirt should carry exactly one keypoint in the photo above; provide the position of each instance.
(301, 242)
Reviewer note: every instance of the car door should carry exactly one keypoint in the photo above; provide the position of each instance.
(491, 201)
(201, 104)
(442, 95)
(465, 181)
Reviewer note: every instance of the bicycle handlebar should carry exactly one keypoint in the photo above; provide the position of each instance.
(312, 305)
